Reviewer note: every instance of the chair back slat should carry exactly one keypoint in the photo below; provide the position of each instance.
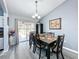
(50, 35)
(60, 41)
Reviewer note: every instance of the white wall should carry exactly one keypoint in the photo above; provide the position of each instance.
(68, 12)
(6, 44)
(1, 21)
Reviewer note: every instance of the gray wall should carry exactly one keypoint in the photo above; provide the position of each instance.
(68, 12)
(1, 11)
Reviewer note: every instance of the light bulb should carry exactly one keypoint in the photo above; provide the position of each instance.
(33, 16)
(36, 14)
(38, 17)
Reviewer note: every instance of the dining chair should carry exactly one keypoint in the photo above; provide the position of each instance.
(59, 46)
(38, 44)
(30, 39)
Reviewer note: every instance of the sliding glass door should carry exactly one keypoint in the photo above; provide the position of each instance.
(24, 28)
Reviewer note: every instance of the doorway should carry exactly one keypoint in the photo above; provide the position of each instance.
(24, 28)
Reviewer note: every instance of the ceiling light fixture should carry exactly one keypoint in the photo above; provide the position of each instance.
(36, 16)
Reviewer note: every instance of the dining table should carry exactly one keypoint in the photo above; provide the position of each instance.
(48, 42)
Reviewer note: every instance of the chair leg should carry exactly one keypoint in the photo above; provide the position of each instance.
(62, 55)
(46, 53)
(57, 55)
(34, 49)
(40, 53)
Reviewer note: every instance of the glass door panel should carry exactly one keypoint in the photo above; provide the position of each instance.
(24, 29)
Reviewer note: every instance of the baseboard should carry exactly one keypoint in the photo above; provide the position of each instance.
(3, 52)
(1, 49)
(70, 52)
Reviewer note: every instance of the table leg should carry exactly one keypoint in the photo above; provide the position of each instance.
(48, 53)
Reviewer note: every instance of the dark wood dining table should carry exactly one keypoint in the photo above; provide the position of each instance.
(48, 43)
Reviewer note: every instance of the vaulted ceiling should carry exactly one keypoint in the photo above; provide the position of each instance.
(27, 8)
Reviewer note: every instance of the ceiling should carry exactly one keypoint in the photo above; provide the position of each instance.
(27, 8)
